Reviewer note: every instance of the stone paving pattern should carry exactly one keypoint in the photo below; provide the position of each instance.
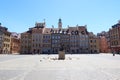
(47, 67)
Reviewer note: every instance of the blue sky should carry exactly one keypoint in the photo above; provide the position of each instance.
(98, 15)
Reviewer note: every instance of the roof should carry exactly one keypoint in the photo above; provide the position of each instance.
(47, 31)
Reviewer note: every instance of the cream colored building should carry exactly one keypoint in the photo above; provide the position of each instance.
(26, 40)
(37, 33)
(93, 43)
(46, 41)
(1, 41)
(4, 40)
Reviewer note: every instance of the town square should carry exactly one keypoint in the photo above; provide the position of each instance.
(48, 67)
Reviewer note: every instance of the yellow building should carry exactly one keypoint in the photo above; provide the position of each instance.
(93, 43)
(1, 41)
(4, 40)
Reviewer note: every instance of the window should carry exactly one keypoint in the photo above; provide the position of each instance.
(53, 42)
(36, 45)
(56, 41)
(36, 39)
(49, 37)
(33, 40)
(43, 36)
(91, 46)
(52, 37)
(91, 41)
(33, 45)
(116, 43)
(72, 32)
(95, 41)
(58, 37)
(95, 46)
(39, 45)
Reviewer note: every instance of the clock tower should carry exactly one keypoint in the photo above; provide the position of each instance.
(60, 24)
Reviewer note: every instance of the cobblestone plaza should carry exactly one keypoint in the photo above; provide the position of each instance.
(47, 67)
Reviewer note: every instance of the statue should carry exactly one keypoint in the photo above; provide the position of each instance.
(61, 53)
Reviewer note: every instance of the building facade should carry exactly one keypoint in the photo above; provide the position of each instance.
(15, 43)
(114, 33)
(93, 43)
(83, 39)
(26, 40)
(46, 41)
(1, 41)
(37, 38)
(5, 40)
(65, 40)
(72, 40)
(104, 42)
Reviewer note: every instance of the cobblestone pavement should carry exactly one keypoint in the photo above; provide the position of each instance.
(47, 67)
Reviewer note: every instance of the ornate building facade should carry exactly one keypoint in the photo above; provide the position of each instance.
(114, 33)
(94, 43)
(40, 39)
(5, 40)
(15, 43)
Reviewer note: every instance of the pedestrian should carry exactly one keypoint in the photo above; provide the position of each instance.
(114, 53)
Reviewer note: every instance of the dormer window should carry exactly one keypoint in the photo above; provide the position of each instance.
(64, 32)
(82, 32)
(76, 32)
(72, 32)
(60, 31)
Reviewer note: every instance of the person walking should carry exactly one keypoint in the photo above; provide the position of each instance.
(113, 53)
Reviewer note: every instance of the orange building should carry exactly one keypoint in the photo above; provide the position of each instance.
(103, 44)
(15, 43)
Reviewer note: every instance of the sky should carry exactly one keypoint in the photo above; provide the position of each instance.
(99, 15)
